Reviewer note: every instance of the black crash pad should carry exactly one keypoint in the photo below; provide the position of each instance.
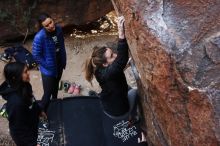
(80, 121)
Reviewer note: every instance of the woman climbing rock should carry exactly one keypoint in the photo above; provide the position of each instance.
(108, 69)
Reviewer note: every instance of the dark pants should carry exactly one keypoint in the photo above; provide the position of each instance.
(24, 138)
(50, 87)
(132, 99)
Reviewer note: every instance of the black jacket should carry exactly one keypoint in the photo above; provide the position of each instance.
(23, 118)
(113, 82)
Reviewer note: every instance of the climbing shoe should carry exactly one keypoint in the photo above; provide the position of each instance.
(92, 93)
(77, 89)
(66, 86)
(71, 88)
(60, 85)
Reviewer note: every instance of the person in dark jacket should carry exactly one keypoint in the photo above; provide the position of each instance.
(21, 106)
(108, 69)
(49, 52)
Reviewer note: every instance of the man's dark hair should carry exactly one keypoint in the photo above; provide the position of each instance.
(42, 18)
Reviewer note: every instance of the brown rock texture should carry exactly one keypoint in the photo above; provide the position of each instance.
(176, 48)
(16, 16)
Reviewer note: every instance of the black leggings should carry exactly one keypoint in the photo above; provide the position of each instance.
(50, 87)
(24, 138)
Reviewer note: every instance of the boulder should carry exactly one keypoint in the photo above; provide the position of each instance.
(18, 16)
(176, 49)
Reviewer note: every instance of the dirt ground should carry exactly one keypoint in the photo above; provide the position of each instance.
(78, 50)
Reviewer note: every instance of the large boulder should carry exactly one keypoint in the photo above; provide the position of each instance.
(176, 48)
(16, 16)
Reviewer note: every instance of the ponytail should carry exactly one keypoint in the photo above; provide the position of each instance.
(94, 62)
(89, 70)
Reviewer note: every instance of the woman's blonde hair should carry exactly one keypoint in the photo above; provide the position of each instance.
(95, 61)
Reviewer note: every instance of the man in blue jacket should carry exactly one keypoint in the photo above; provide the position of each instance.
(49, 52)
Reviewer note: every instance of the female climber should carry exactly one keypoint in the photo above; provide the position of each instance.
(108, 69)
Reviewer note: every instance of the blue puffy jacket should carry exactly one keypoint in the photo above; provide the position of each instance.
(44, 52)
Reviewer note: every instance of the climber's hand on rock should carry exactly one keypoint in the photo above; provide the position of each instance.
(121, 28)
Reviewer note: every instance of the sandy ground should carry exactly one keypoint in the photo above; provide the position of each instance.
(78, 50)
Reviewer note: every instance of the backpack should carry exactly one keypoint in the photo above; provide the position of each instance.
(21, 54)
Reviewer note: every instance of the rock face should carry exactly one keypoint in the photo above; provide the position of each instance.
(16, 16)
(176, 48)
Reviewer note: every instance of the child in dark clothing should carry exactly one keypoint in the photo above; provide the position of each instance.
(108, 69)
(22, 109)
